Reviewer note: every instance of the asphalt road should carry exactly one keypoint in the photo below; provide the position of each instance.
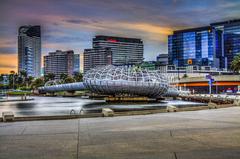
(205, 134)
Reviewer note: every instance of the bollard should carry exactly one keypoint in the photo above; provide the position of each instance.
(7, 116)
(236, 102)
(106, 112)
(81, 112)
(212, 105)
(171, 108)
(72, 112)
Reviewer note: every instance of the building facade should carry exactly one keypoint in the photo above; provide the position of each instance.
(76, 67)
(59, 62)
(96, 57)
(29, 50)
(5, 79)
(162, 59)
(191, 47)
(125, 51)
(214, 45)
(228, 41)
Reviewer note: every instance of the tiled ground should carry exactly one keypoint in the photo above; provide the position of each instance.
(206, 134)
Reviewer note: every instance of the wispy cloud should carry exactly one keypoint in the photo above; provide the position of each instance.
(72, 24)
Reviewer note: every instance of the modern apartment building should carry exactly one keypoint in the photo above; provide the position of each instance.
(96, 57)
(59, 62)
(214, 45)
(125, 51)
(29, 50)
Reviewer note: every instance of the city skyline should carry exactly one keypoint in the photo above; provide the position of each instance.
(71, 25)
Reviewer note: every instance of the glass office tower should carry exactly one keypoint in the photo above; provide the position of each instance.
(29, 50)
(215, 45)
(191, 47)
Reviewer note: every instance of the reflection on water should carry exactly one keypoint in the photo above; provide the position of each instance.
(63, 106)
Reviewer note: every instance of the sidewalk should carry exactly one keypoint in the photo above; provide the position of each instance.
(205, 134)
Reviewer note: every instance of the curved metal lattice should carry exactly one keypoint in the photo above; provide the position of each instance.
(125, 80)
(53, 82)
(77, 86)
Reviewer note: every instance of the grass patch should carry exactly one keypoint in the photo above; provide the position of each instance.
(19, 93)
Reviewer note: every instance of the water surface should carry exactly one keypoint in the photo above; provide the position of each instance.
(45, 106)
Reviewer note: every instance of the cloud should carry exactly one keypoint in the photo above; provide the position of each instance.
(72, 24)
(4, 43)
(8, 62)
(81, 21)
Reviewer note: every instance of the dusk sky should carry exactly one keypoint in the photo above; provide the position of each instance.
(71, 24)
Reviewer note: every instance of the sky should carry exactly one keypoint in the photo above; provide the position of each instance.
(71, 24)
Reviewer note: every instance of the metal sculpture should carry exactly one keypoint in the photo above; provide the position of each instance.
(118, 80)
(114, 80)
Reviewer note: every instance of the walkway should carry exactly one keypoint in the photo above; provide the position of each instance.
(206, 134)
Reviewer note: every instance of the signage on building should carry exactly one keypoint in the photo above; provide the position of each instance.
(112, 40)
(208, 77)
(190, 62)
(210, 82)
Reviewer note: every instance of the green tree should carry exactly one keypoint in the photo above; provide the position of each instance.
(28, 81)
(69, 80)
(12, 79)
(185, 76)
(63, 76)
(37, 83)
(12, 72)
(23, 75)
(49, 77)
(78, 76)
(1, 77)
(235, 65)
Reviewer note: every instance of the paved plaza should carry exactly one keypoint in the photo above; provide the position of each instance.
(205, 134)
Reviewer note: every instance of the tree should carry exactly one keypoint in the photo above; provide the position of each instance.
(12, 79)
(37, 83)
(12, 72)
(49, 77)
(63, 76)
(185, 76)
(1, 77)
(78, 76)
(23, 75)
(69, 80)
(29, 81)
(235, 65)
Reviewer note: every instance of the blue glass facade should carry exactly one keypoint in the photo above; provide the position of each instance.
(191, 47)
(231, 43)
(214, 45)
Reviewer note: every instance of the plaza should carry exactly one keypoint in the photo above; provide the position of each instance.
(205, 134)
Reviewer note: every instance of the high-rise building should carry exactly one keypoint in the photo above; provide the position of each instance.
(59, 62)
(81, 62)
(191, 47)
(214, 45)
(227, 41)
(96, 57)
(125, 51)
(29, 50)
(76, 67)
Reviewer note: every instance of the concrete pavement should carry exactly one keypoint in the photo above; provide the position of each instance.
(205, 134)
